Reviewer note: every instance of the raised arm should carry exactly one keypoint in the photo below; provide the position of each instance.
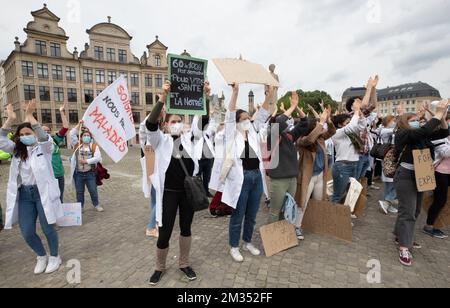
(6, 144)
(65, 121)
(269, 96)
(371, 84)
(153, 119)
(234, 98)
(294, 104)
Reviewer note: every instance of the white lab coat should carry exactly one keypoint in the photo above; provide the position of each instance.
(40, 157)
(204, 136)
(216, 184)
(163, 145)
(73, 160)
(235, 143)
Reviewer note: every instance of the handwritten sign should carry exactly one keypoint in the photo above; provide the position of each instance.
(187, 76)
(110, 119)
(278, 237)
(424, 169)
(242, 71)
(72, 215)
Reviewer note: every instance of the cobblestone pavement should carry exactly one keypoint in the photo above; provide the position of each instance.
(114, 252)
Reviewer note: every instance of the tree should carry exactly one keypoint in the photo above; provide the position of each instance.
(312, 99)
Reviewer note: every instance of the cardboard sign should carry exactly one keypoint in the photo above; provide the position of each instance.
(353, 194)
(241, 71)
(110, 119)
(278, 237)
(443, 220)
(72, 215)
(362, 200)
(187, 76)
(150, 161)
(326, 218)
(424, 169)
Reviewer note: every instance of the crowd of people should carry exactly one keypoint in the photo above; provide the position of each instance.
(240, 160)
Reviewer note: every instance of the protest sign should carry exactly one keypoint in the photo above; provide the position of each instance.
(424, 170)
(326, 218)
(188, 76)
(360, 207)
(110, 119)
(278, 237)
(150, 161)
(241, 71)
(72, 215)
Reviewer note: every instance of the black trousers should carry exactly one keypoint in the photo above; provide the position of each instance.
(205, 170)
(172, 202)
(440, 197)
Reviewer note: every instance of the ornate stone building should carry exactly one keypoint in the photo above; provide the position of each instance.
(43, 68)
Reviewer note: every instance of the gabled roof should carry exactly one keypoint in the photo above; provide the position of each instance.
(45, 13)
(157, 43)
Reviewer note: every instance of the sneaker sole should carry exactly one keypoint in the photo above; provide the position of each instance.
(385, 211)
(405, 264)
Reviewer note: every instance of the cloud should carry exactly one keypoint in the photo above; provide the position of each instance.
(325, 44)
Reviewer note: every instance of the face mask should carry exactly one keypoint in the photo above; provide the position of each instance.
(28, 140)
(176, 129)
(87, 139)
(245, 126)
(393, 125)
(414, 125)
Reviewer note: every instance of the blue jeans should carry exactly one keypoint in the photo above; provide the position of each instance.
(152, 219)
(390, 194)
(363, 166)
(247, 208)
(30, 208)
(342, 172)
(61, 184)
(83, 180)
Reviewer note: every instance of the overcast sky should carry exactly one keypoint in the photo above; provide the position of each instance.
(324, 44)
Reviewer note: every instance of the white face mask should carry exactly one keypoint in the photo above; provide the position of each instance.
(245, 126)
(176, 129)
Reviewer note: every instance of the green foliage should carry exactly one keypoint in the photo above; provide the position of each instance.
(309, 98)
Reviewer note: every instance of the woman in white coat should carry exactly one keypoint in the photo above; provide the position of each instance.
(244, 170)
(173, 149)
(33, 190)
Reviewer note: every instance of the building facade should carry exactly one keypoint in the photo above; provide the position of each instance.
(43, 68)
(412, 96)
(2, 93)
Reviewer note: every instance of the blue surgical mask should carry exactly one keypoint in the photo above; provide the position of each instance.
(28, 140)
(414, 125)
(393, 125)
(87, 139)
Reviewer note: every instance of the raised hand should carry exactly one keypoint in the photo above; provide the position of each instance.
(314, 112)
(10, 112)
(63, 108)
(301, 113)
(442, 108)
(207, 89)
(166, 91)
(324, 116)
(294, 99)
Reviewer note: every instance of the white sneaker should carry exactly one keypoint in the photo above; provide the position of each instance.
(252, 249)
(53, 264)
(236, 254)
(384, 206)
(374, 187)
(392, 210)
(100, 209)
(41, 265)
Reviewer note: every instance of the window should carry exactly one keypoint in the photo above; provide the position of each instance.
(111, 77)
(88, 96)
(73, 116)
(100, 76)
(158, 81)
(70, 73)
(46, 116)
(137, 117)
(44, 94)
(55, 50)
(57, 72)
(134, 79)
(111, 54)
(27, 69)
(58, 117)
(125, 74)
(72, 95)
(42, 70)
(41, 48)
(122, 56)
(29, 92)
(158, 60)
(135, 98)
(98, 52)
(149, 98)
(87, 75)
(148, 80)
(58, 95)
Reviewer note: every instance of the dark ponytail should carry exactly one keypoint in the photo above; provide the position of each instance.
(21, 150)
